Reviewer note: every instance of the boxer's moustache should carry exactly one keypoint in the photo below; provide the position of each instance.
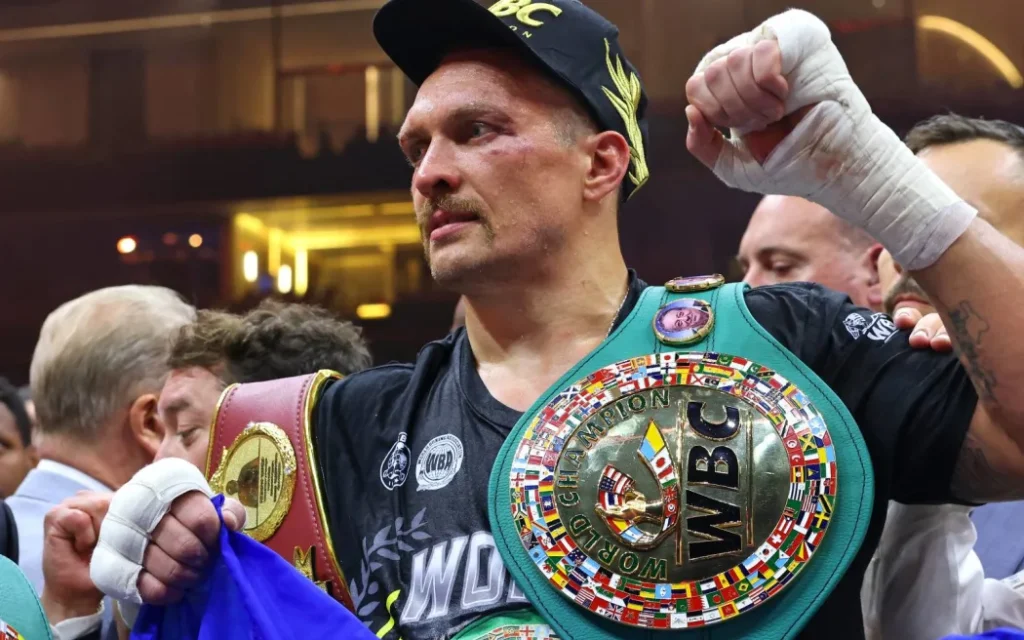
(452, 204)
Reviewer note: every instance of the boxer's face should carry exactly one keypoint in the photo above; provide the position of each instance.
(986, 173)
(187, 404)
(496, 187)
(792, 240)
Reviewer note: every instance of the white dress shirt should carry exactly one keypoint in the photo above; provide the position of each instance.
(71, 473)
(925, 581)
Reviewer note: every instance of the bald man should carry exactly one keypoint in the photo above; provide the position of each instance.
(790, 239)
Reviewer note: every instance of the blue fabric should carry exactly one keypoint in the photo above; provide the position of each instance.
(1001, 555)
(250, 593)
(998, 634)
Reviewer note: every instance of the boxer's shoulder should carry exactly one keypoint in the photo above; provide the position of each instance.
(376, 390)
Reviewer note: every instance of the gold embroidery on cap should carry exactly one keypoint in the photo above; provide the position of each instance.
(523, 10)
(627, 102)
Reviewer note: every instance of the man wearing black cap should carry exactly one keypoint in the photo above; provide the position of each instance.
(527, 134)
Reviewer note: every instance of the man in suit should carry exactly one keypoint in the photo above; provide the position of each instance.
(96, 374)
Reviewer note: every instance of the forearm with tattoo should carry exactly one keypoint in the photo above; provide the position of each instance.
(978, 479)
(967, 329)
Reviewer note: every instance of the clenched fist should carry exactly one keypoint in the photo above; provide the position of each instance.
(745, 90)
(70, 531)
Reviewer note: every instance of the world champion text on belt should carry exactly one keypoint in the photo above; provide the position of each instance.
(633, 490)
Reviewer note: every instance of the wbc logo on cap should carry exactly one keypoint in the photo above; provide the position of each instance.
(523, 10)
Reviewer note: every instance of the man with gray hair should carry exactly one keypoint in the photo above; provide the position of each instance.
(96, 376)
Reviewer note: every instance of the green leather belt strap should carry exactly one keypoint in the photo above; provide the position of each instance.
(735, 333)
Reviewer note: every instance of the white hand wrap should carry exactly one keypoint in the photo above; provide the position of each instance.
(136, 509)
(841, 155)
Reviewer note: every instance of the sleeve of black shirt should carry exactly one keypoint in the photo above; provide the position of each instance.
(913, 406)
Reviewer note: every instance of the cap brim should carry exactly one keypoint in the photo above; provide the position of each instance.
(418, 34)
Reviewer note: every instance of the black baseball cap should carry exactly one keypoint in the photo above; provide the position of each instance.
(574, 44)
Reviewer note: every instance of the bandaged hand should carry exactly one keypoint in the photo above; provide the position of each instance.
(800, 126)
(156, 539)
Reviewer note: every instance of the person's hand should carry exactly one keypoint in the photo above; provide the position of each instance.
(179, 548)
(158, 534)
(927, 332)
(745, 91)
(800, 126)
(70, 532)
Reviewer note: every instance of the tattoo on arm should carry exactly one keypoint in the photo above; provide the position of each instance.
(976, 479)
(967, 329)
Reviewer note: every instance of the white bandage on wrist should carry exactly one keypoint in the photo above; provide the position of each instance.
(841, 155)
(134, 512)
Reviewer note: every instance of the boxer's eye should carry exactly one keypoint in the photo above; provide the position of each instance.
(415, 153)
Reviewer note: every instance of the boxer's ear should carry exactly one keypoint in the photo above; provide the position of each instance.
(609, 162)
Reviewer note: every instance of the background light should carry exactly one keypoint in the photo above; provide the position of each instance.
(301, 271)
(985, 47)
(284, 279)
(250, 266)
(126, 245)
(195, 241)
(373, 311)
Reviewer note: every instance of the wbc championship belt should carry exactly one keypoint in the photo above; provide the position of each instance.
(261, 454)
(684, 476)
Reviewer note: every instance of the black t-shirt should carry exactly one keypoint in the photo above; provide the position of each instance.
(406, 452)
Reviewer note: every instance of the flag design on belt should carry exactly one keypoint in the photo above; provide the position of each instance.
(805, 522)
(796, 491)
(735, 574)
(798, 550)
(814, 539)
(796, 474)
(656, 454)
(825, 503)
(7, 632)
(808, 503)
(590, 567)
(611, 492)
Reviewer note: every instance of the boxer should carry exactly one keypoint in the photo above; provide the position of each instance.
(527, 134)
